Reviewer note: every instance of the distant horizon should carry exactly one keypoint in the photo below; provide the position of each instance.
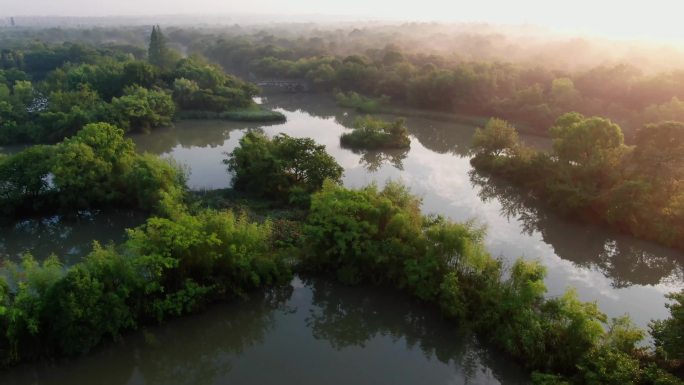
(655, 21)
(256, 19)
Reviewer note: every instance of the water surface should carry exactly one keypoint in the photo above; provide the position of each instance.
(70, 238)
(623, 274)
(310, 332)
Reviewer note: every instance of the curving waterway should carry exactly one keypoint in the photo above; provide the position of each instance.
(623, 274)
(317, 332)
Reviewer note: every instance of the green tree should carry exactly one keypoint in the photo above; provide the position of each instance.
(281, 168)
(24, 181)
(658, 155)
(90, 166)
(142, 109)
(159, 54)
(588, 142)
(668, 334)
(498, 137)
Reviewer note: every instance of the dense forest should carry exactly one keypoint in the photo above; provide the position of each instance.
(471, 73)
(49, 92)
(79, 99)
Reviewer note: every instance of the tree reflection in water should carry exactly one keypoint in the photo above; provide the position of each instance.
(351, 317)
(301, 333)
(194, 350)
(625, 260)
(372, 160)
(199, 351)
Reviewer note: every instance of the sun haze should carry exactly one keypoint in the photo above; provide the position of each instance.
(652, 20)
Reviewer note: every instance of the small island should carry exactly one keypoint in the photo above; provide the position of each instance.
(373, 133)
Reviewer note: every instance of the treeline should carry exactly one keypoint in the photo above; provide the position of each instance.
(592, 175)
(532, 94)
(407, 68)
(48, 93)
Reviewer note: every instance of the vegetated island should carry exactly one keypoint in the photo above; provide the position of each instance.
(373, 133)
(593, 176)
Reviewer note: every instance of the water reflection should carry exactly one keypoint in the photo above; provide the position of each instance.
(310, 332)
(195, 350)
(621, 273)
(191, 133)
(373, 160)
(624, 260)
(356, 316)
(70, 238)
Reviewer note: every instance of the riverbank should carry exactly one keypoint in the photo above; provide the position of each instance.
(250, 114)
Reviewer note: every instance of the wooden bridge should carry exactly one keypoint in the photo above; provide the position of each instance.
(289, 85)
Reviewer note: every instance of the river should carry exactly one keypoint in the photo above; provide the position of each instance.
(318, 332)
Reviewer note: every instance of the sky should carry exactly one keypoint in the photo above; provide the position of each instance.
(631, 19)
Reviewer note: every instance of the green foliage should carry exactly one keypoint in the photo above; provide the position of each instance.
(96, 167)
(252, 115)
(361, 103)
(24, 182)
(610, 367)
(201, 86)
(372, 133)
(158, 53)
(587, 142)
(89, 167)
(282, 167)
(379, 236)
(591, 175)
(668, 334)
(91, 302)
(623, 335)
(166, 268)
(112, 88)
(142, 109)
(353, 232)
(548, 379)
(497, 138)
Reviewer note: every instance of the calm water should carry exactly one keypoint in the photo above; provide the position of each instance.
(320, 333)
(623, 274)
(69, 238)
(312, 332)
